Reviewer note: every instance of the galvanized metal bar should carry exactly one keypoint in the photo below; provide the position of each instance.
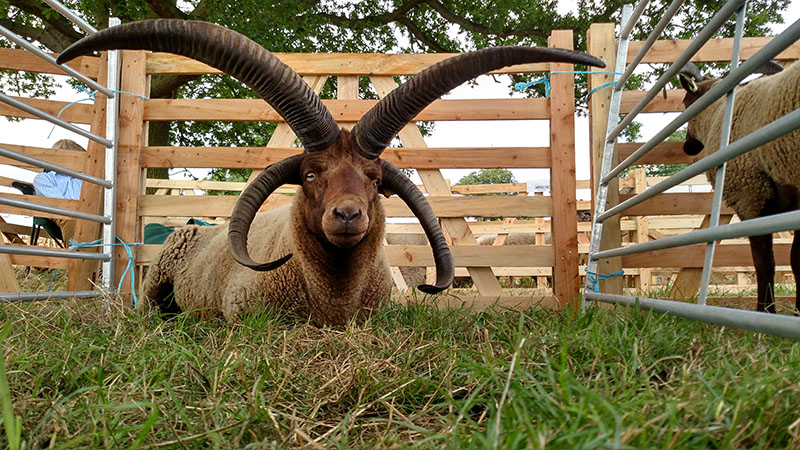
(665, 19)
(706, 33)
(754, 227)
(769, 51)
(40, 251)
(608, 154)
(772, 130)
(52, 119)
(74, 18)
(719, 179)
(775, 324)
(13, 297)
(52, 210)
(10, 154)
(112, 132)
(626, 31)
(11, 36)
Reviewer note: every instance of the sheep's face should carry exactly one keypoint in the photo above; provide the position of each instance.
(694, 89)
(341, 192)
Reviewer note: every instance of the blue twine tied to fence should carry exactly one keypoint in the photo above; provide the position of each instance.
(91, 95)
(546, 81)
(98, 243)
(597, 277)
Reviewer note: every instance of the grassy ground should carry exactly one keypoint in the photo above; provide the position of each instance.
(87, 374)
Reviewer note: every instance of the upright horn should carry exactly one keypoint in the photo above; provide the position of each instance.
(380, 125)
(232, 53)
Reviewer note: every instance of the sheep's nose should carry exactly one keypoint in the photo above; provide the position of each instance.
(347, 214)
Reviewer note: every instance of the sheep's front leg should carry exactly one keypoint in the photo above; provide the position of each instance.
(764, 262)
(795, 261)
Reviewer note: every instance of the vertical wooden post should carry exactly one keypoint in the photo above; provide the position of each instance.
(564, 226)
(642, 227)
(82, 272)
(131, 139)
(600, 42)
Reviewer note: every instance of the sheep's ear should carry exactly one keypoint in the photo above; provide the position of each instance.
(687, 82)
(769, 68)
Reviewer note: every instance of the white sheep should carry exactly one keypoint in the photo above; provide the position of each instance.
(328, 261)
(764, 181)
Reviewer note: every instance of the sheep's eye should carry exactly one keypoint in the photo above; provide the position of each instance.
(310, 176)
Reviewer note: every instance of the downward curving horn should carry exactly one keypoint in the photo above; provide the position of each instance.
(380, 125)
(232, 53)
(254, 195)
(396, 181)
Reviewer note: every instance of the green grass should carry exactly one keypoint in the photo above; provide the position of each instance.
(87, 374)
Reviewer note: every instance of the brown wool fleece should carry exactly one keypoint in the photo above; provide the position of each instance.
(749, 178)
(330, 285)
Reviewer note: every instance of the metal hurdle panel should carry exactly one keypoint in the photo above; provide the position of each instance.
(109, 141)
(780, 325)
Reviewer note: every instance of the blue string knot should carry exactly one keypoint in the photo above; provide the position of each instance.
(597, 277)
(130, 267)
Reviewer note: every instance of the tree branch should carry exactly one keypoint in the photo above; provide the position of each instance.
(55, 24)
(367, 21)
(475, 27)
(422, 37)
(166, 9)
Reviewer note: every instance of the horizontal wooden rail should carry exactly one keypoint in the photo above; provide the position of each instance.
(67, 158)
(714, 50)
(222, 206)
(235, 110)
(337, 64)
(421, 255)
(726, 254)
(73, 205)
(78, 113)
(672, 204)
(17, 59)
(663, 153)
(418, 158)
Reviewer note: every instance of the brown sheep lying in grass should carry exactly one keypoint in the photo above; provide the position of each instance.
(328, 261)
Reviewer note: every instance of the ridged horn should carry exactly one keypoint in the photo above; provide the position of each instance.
(380, 125)
(254, 195)
(232, 53)
(396, 181)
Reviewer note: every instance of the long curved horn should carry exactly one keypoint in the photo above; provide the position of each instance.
(378, 127)
(254, 195)
(396, 181)
(232, 53)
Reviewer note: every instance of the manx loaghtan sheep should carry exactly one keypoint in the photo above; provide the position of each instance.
(326, 252)
(764, 181)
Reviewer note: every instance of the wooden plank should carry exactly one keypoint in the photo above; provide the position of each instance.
(69, 159)
(82, 273)
(642, 227)
(673, 102)
(562, 178)
(421, 255)
(17, 59)
(663, 153)
(435, 183)
(8, 278)
(39, 261)
(443, 206)
(600, 41)
(692, 256)
(46, 201)
(713, 50)
(77, 113)
(161, 109)
(337, 64)
(419, 158)
(672, 204)
(132, 136)
(687, 283)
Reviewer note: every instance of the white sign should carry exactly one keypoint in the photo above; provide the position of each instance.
(538, 186)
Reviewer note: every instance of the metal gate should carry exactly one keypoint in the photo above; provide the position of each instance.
(109, 141)
(780, 325)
